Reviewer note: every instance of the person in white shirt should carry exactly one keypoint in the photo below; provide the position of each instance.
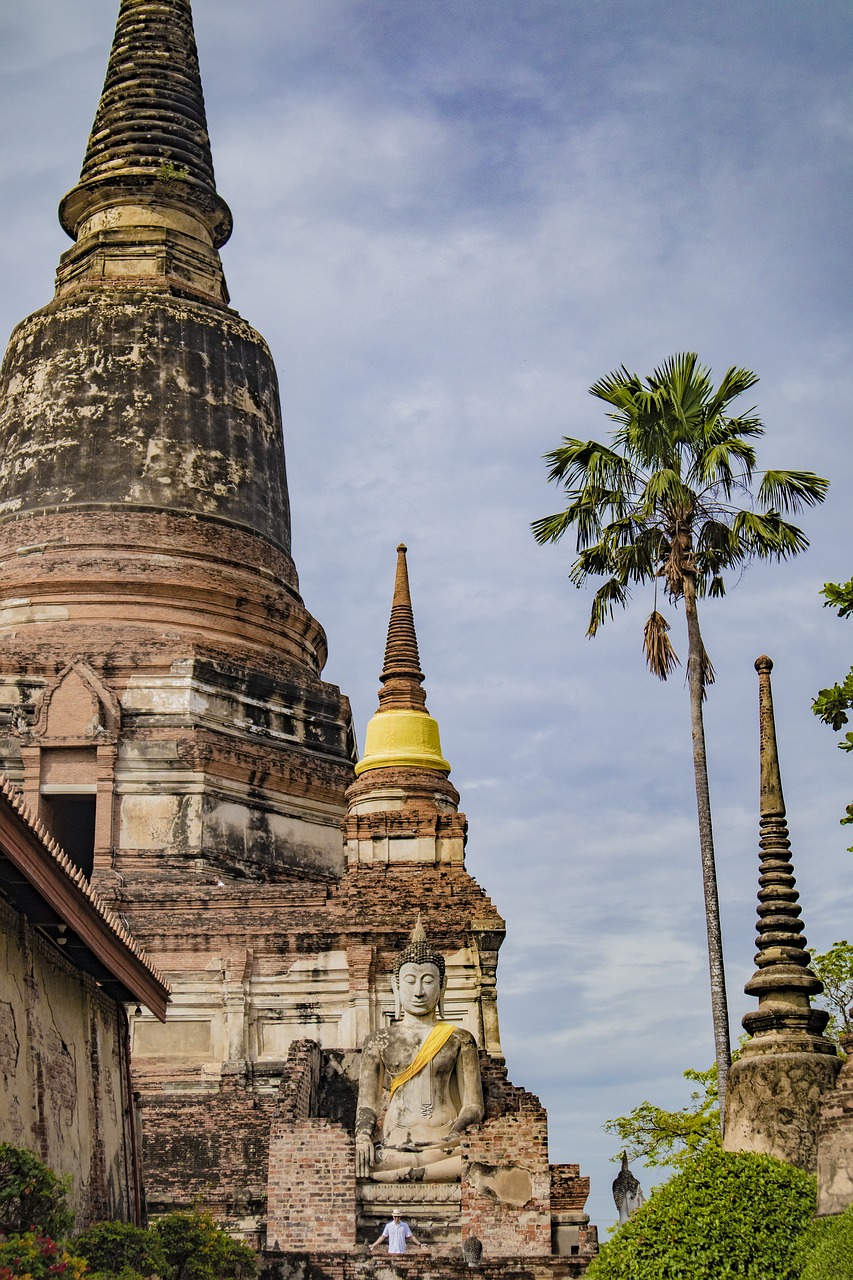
(397, 1232)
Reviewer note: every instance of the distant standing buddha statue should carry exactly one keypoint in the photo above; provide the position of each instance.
(432, 1071)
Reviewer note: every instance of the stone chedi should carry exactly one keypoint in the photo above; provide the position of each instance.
(162, 709)
(160, 676)
(420, 1116)
(775, 1087)
(161, 702)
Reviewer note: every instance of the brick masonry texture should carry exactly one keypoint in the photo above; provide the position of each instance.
(318, 1265)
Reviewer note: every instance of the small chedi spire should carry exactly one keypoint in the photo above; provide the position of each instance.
(402, 733)
(774, 1089)
(148, 163)
(401, 675)
(783, 980)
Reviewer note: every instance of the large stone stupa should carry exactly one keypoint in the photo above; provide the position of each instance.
(163, 711)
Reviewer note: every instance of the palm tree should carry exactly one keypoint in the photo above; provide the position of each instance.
(671, 499)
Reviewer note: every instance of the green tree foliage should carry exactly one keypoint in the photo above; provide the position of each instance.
(828, 1248)
(670, 498)
(197, 1249)
(662, 1138)
(832, 705)
(723, 1216)
(116, 1247)
(30, 1256)
(671, 1138)
(835, 970)
(32, 1197)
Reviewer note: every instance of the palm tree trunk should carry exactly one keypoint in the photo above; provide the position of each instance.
(719, 1006)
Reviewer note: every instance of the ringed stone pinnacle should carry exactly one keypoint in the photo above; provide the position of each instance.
(783, 980)
(150, 129)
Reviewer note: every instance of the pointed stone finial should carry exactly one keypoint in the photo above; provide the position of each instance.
(150, 130)
(418, 934)
(401, 673)
(402, 733)
(783, 980)
(772, 800)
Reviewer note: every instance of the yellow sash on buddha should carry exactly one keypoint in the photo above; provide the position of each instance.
(437, 1039)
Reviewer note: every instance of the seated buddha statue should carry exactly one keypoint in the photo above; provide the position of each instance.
(431, 1070)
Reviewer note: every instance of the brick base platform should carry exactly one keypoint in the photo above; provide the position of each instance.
(415, 1266)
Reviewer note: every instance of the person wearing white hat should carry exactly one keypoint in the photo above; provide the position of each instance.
(398, 1233)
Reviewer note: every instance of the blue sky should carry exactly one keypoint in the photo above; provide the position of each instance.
(451, 219)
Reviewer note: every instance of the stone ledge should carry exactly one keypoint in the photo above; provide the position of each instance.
(364, 1266)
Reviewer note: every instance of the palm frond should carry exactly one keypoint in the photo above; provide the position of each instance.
(717, 465)
(638, 560)
(617, 388)
(666, 490)
(578, 463)
(707, 672)
(551, 528)
(733, 384)
(792, 490)
(594, 561)
(660, 655)
(767, 536)
(709, 675)
(604, 602)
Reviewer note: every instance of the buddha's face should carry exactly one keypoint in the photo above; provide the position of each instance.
(419, 986)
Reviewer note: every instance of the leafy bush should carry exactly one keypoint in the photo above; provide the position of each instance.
(724, 1215)
(32, 1197)
(124, 1273)
(830, 1255)
(197, 1249)
(30, 1256)
(113, 1247)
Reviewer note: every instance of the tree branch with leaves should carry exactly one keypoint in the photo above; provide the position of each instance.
(832, 705)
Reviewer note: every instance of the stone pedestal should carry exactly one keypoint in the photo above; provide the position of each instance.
(835, 1142)
(773, 1102)
(432, 1210)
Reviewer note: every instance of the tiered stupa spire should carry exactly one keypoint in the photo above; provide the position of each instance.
(402, 733)
(401, 673)
(774, 1088)
(150, 129)
(146, 205)
(783, 980)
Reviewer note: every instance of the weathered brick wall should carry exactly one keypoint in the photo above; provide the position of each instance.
(208, 1149)
(413, 1266)
(311, 1186)
(311, 1179)
(568, 1189)
(64, 1092)
(506, 1180)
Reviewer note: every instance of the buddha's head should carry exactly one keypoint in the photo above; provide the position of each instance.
(419, 975)
(418, 988)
